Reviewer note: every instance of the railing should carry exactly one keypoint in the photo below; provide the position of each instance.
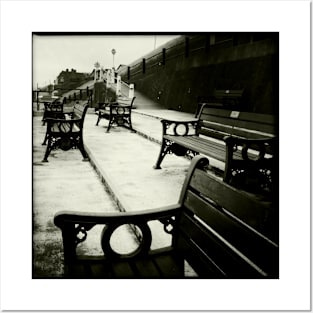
(81, 94)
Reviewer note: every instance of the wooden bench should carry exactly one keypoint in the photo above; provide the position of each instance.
(117, 113)
(52, 110)
(226, 98)
(220, 231)
(245, 142)
(66, 133)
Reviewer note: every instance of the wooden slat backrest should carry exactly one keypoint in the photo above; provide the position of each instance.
(255, 121)
(242, 124)
(79, 112)
(225, 231)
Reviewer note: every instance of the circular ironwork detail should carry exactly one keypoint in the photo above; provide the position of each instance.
(245, 155)
(120, 110)
(65, 144)
(181, 129)
(143, 248)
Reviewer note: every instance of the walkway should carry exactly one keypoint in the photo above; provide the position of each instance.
(126, 180)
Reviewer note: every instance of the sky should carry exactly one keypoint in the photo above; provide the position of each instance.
(52, 54)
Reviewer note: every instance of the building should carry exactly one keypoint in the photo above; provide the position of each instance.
(68, 80)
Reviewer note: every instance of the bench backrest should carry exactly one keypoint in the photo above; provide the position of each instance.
(225, 232)
(132, 102)
(217, 123)
(228, 93)
(56, 106)
(79, 112)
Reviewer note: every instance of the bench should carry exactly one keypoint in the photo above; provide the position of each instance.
(245, 142)
(117, 113)
(52, 110)
(216, 229)
(226, 98)
(66, 133)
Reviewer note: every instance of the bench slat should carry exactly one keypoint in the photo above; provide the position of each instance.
(145, 267)
(251, 243)
(260, 127)
(208, 147)
(219, 131)
(223, 120)
(216, 250)
(205, 267)
(169, 266)
(259, 214)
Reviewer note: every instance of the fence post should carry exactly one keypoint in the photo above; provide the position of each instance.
(37, 100)
(108, 79)
(118, 86)
(131, 92)
(112, 76)
(143, 65)
(186, 47)
(163, 56)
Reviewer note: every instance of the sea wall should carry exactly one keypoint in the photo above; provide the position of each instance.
(178, 73)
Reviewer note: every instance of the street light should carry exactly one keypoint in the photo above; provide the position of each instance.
(113, 52)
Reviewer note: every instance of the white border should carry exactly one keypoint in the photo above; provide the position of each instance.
(19, 19)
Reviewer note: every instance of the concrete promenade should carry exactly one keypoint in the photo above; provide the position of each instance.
(119, 176)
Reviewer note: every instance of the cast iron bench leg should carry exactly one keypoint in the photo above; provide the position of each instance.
(99, 118)
(130, 124)
(111, 121)
(48, 150)
(83, 151)
(45, 140)
(163, 151)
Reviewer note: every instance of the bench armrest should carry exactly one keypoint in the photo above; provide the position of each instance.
(263, 145)
(171, 127)
(250, 161)
(76, 224)
(62, 218)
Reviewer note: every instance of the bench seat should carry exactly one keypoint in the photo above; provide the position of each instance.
(64, 127)
(161, 263)
(217, 150)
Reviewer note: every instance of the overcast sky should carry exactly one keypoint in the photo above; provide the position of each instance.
(52, 54)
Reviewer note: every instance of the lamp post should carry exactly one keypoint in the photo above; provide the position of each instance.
(113, 52)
